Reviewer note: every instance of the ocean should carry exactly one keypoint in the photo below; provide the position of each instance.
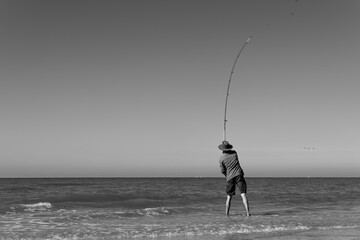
(178, 208)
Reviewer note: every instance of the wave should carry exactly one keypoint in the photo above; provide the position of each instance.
(152, 231)
(214, 230)
(33, 207)
(338, 227)
(147, 212)
(18, 189)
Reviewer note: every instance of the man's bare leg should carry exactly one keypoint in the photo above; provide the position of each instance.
(246, 204)
(228, 204)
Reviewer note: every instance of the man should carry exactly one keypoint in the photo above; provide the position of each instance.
(230, 167)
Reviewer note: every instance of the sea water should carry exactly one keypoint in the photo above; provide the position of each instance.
(174, 208)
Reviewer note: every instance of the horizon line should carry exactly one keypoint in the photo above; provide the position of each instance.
(74, 177)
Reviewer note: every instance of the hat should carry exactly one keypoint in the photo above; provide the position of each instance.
(225, 146)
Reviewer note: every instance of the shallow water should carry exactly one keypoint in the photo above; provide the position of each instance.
(174, 208)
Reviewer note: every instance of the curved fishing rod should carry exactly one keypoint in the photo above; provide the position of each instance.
(228, 87)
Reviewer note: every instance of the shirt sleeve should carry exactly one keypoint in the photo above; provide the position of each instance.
(222, 168)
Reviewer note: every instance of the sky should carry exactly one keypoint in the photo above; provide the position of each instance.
(136, 88)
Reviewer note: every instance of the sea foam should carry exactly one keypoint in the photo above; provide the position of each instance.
(41, 206)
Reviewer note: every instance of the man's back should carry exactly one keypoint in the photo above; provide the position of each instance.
(229, 164)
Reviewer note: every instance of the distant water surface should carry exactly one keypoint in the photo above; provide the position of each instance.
(174, 208)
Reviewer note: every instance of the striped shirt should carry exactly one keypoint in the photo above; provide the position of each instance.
(229, 165)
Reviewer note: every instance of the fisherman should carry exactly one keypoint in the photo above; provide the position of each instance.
(230, 167)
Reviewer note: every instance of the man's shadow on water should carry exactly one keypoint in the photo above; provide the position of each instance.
(275, 213)
(266, 214)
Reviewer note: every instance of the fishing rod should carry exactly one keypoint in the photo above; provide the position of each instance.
(228, 87)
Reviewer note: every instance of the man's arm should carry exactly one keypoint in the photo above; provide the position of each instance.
(222, 168)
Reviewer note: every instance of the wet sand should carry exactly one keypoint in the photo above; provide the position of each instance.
(321, 234)
(328, 234)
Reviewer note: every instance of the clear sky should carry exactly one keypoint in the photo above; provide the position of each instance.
(136, 88)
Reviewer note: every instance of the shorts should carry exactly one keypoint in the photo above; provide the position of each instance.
(238, 181)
